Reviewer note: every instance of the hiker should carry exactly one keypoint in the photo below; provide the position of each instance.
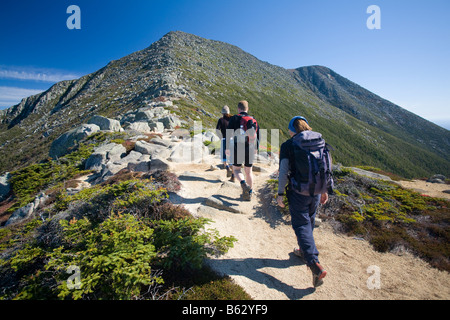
(221, 127)
(306, 187)
(243, 147)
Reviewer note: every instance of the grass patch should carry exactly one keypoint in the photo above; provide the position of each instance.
(389, 217)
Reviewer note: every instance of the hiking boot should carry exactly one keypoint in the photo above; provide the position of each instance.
(229, 172)
(232, 178)
(246, 192)
(318, 273)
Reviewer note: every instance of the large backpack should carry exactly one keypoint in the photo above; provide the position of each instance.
(312, 172)
(249, 126)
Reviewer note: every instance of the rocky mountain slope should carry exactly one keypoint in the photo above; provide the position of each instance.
(372, 109)
(201, 76)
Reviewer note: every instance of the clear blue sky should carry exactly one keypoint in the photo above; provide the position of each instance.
(406, 61)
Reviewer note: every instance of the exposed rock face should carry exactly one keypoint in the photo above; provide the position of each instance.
(5, 186)
(188, 152)
(141, 126)
(106, 123)
(104, 154)
(26, 211)
(69, 139)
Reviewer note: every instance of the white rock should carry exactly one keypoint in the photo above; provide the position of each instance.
(106, 123)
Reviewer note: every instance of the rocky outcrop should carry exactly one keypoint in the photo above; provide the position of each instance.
(103, 154)
(152, 149)
(188, 152)
(106, 123)
(140, 126)
(437, 178)
(68, 140)
(26, 211)
(5, 186)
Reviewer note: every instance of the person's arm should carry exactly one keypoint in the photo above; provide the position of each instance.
(282, 180)
(283, 173)
(283, 176)
(219, 124)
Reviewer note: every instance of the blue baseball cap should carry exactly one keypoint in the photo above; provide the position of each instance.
(291, 124)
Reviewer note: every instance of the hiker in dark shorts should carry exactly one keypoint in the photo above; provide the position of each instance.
(243, 146)
(221, 127)
(302, 207)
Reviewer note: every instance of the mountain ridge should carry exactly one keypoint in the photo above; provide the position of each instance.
(202, 75)
(346, 95)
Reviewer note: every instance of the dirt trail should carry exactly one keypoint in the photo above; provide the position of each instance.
(262, 261)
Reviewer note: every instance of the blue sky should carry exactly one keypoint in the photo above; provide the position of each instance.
(406, 61)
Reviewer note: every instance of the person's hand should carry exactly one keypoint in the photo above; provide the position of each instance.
(324, 198)
(227, 152)
(280, 201)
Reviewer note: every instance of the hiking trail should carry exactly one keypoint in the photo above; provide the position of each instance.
(262, 260)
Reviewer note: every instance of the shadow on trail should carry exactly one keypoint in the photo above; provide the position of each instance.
(267, 210)
(249, 268)
(188, 176)
(180, 200)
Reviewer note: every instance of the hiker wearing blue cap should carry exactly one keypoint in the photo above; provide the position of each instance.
(305, 168)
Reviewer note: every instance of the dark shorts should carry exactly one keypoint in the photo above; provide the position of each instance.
(242, 154)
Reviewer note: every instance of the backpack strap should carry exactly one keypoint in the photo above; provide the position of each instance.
(312, 184)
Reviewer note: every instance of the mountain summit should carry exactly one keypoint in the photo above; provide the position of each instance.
(203, 75)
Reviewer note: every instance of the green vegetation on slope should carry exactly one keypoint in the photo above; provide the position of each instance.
(391, 218)
(125, 239)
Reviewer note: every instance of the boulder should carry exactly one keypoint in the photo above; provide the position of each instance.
(160, 112)
(437, 178)
(103, 154)
(110, 169)
(5, 186)
(154, 150)
(140, 126)
(162, 142)
(26, 211)
(180, 133)
(112, 150)
(159, 164)
(165, 104)
(96, 162)
(21, 213)
(170, 122)
(133, 156)
(189, 152)
(144, 115)
(210, 136)
(106, 123)
(68, 140)
(156, 126)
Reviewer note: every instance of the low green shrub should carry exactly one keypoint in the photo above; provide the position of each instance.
(125, 254)
(29, 181)
(388, 216)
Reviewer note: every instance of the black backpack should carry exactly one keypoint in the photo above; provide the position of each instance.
(312, 172)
